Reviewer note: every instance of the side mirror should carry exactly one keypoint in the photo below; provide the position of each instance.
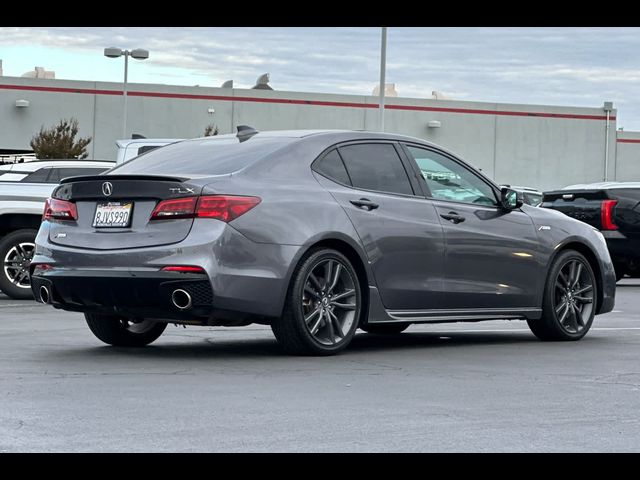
(510, 199)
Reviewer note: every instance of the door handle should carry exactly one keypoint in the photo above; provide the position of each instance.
(453, 217)
(365, 204)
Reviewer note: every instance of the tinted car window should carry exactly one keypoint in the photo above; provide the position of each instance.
(202, 157)
(331, 166)
(448, 180)
(39, 176)
(147, 148)
(376, 166)
(533, 198)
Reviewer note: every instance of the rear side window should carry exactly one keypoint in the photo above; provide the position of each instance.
(147, 148)
(203, 157)
(39, 176)
(331, 166)
(376, 166)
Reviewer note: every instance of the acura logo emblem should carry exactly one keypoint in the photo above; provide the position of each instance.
(107, 189)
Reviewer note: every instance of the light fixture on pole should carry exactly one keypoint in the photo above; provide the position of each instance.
(138, 54)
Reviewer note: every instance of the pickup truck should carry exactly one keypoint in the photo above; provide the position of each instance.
(24, 187)
(611, 207)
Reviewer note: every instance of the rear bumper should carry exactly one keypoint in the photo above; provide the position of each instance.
(245, 280)
(624, 249)
(132, 293)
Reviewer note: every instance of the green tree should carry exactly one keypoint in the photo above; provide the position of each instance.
(60, 141)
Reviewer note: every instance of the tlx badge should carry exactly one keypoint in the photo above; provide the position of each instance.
(181, 190)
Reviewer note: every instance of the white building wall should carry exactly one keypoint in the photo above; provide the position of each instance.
(534, 145)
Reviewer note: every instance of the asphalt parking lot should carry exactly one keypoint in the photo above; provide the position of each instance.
(459, 387)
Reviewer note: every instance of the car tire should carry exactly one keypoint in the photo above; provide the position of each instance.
(323, 305)
(385, 329)
(16, 252)
(570, 299)
(122, 332)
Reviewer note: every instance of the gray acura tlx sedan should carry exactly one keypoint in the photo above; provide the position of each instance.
(316, 233)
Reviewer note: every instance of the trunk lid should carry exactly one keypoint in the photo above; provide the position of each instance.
(143, 192)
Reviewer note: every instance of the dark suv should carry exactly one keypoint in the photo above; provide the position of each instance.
(611, 207)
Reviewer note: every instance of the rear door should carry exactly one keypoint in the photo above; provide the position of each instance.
(399, 229)
(492, 258)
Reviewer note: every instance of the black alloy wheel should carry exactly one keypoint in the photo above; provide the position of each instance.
(16, 253)
(323, 305)
(124, 332)
(570, 299)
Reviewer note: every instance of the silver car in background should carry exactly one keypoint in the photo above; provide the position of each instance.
(24, 188)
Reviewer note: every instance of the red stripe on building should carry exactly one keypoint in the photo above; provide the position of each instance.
(628, 140)
(290, 101)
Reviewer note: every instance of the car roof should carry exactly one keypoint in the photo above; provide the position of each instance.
(61, 163)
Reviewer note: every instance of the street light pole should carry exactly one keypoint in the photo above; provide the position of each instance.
(138, 54)
(383, 66)
(124, 93)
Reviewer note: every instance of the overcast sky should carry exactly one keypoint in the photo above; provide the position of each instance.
(553, 66)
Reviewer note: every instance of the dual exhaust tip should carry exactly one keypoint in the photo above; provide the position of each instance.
(179, 297)
(45, 295)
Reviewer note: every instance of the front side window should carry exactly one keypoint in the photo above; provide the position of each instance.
(376, 166)
(448, 180)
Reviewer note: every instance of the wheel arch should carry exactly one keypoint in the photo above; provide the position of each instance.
(349, 249)
(10, 222)
(591, 257)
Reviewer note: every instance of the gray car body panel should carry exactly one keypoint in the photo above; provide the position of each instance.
(250, 261)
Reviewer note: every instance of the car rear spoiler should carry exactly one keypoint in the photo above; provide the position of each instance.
(88, 178)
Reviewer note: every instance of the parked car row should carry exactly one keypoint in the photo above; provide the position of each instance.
(316, 233)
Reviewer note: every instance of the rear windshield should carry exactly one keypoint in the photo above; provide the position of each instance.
(202, 157)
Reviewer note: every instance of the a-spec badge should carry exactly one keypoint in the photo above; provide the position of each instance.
(107, 189)
(544, 227)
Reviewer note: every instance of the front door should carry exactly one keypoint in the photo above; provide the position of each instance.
(492, 259)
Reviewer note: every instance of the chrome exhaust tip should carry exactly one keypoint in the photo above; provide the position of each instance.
(45, 296)
(181, 299)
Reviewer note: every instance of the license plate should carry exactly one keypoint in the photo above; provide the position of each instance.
(113, 214)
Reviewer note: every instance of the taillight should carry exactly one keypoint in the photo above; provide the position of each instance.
(219, 207)
(55, 209)
(37, 268)
(225, 207)
(176, 208)
(606, 215)
(183, 269)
